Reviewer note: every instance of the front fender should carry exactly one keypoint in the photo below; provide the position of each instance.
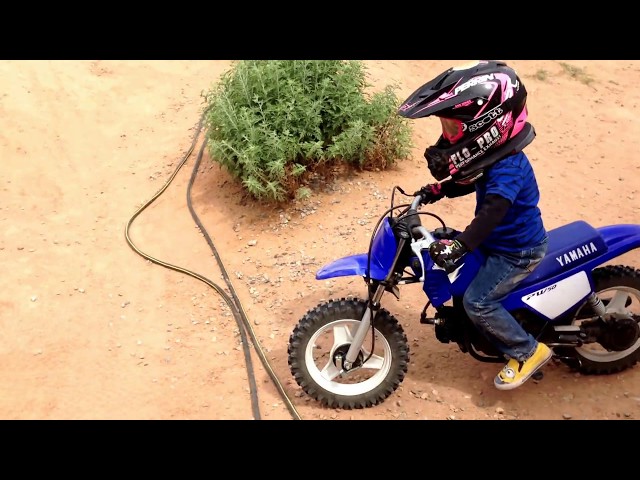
(351, 265)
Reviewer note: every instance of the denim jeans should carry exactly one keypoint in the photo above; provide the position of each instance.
(500, 274)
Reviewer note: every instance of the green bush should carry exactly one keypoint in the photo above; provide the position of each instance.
(274, 123)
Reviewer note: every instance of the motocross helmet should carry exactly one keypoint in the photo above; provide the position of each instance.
(482, 108)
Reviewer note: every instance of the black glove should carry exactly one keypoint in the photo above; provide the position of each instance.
(446, 252)
(404, 225)
(430, 193)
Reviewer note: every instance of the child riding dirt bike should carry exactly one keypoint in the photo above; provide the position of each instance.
(483, 112)
(504, 288)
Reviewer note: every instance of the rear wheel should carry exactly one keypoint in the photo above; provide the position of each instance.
(619, 289)
(321, 340)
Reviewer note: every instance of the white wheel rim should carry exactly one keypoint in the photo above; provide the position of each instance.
(328, 376)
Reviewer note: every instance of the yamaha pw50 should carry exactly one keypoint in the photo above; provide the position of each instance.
(352, 353)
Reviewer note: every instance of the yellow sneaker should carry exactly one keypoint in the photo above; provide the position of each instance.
(515, 373)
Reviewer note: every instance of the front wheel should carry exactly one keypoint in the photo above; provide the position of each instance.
(322, 338)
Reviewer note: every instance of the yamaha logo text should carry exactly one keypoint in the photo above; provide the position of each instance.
(576, 253)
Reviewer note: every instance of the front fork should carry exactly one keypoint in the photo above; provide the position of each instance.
(369, 313)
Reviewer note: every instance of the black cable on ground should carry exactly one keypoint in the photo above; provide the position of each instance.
(238, 304)
(234, 303)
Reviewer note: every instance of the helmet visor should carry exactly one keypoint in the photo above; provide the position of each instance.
(451, 129)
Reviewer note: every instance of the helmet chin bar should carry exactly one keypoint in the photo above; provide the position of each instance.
(438, 157)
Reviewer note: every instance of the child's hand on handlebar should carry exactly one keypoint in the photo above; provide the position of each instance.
(430, 193)
(444, 252)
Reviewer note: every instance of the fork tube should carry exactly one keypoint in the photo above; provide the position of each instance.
(395, 260)
(358, 338)
(363, 328)
(366, 322)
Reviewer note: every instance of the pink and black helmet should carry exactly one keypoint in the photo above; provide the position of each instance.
(488, 100)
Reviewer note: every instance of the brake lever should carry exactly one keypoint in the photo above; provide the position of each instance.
(417, 246)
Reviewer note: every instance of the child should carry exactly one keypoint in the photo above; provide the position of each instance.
(482, 110)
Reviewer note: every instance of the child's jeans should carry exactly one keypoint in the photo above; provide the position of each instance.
(501, 273)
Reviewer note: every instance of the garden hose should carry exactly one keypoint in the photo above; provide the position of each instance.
(233, 301)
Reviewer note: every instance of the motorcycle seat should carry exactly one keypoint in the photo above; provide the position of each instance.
(570, 246)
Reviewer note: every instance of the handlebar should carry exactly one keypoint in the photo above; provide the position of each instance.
(417, 201)
(423, 240)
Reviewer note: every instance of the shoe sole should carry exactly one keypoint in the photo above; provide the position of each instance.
(511, 386)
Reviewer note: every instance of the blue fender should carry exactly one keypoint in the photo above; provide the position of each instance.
(351, 265)
(619, 239)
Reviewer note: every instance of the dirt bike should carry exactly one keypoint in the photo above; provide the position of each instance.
(588, 313)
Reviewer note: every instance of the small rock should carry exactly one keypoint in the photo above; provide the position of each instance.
(34, 298)
(566, 416)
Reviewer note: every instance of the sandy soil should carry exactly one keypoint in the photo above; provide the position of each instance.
(92, 330)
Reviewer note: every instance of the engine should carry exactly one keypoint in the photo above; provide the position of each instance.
(453, 325)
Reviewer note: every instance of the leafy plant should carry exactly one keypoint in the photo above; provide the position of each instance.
(275, 123)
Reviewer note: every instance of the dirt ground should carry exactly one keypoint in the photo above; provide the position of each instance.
(92, 330)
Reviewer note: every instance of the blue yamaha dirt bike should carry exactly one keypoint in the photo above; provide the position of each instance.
(587, 312)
